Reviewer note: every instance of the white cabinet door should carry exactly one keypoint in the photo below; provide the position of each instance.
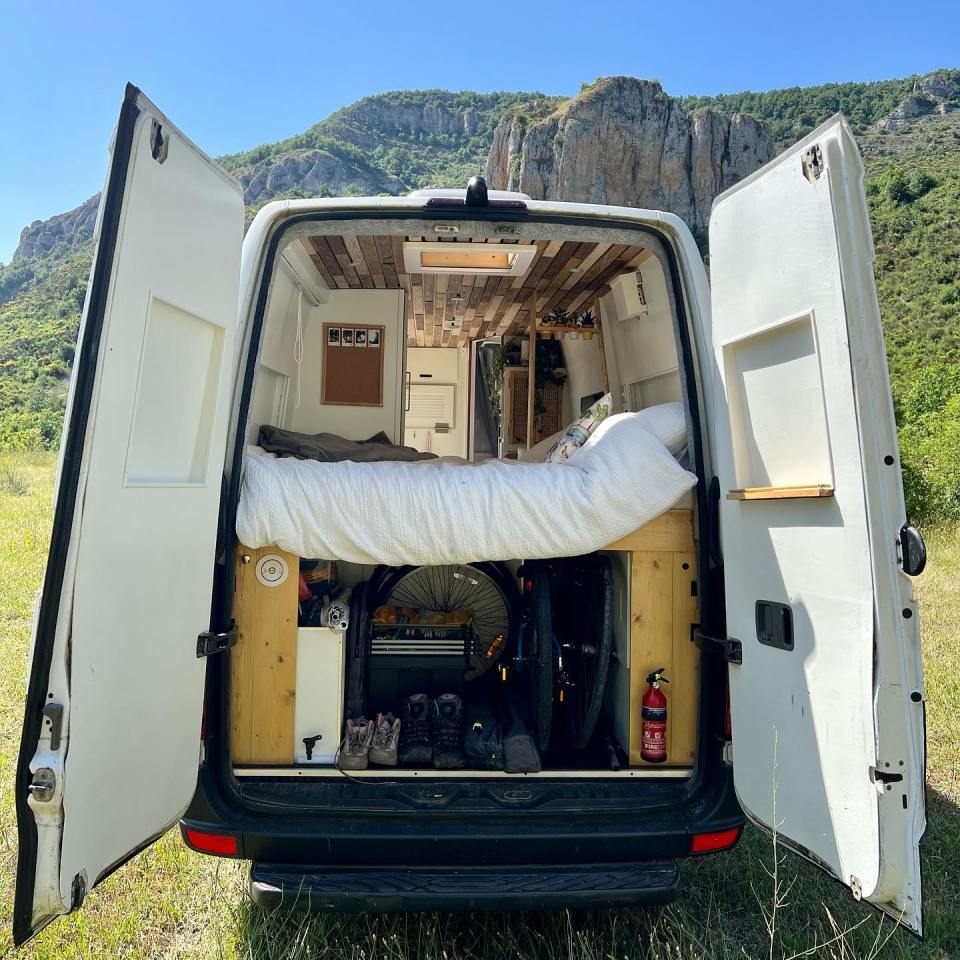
(111, 736)
(827, 704)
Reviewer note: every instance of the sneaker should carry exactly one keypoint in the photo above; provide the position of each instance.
(383, 750)
(414, 747)
(356, 745)
(446, 731)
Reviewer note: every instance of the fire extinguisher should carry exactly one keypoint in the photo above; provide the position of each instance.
(654, 714)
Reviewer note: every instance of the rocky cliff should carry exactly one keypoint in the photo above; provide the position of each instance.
(624, 141)
(69, 229)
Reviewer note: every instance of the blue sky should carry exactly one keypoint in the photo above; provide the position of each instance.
(232, 76)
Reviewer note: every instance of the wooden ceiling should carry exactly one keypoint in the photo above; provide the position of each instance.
(566, 274)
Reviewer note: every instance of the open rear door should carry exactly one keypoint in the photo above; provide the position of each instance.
(827, 704)
(111, 735)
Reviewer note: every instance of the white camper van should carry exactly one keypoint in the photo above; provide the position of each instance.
(379, 530)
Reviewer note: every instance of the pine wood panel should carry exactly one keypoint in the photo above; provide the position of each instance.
(263, 664)
(663, 605)
(567, 274)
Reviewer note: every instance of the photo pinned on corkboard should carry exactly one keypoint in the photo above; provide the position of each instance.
(351, 376)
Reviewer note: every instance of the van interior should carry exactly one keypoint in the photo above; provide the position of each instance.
(479, 342)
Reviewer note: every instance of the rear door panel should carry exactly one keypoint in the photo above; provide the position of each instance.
(130, 571)
(807, 460)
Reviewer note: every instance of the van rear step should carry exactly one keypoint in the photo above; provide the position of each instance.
(394, 890)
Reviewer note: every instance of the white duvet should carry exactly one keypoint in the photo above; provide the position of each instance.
(437, 511)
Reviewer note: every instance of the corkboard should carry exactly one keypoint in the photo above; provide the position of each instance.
(352, 365)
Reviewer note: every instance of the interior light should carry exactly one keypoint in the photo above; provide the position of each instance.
(452, 257)
(479, 260)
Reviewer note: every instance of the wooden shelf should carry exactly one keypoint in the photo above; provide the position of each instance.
(781, 493)
(551, 328)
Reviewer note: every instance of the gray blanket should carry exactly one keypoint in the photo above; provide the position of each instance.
(330, 448)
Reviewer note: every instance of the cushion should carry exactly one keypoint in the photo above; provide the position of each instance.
(577, 433)
(538, 452)
(666, 421)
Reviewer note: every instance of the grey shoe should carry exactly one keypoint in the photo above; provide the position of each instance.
(356, 745)
(386, 736)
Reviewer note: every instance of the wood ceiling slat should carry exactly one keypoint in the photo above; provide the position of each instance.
(320, 264)
(385, 252)
(369, 248)
(340, 251)
(325, 251)
(568, 274)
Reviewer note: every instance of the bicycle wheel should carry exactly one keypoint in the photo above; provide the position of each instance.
(482, 588)
(585, 628)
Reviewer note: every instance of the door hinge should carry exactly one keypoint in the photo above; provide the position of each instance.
(209, 642)
(813, 163)
(728, 648)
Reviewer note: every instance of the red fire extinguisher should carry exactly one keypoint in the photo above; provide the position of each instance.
(654, 714)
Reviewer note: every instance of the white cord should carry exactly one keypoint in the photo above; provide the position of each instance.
(298, 341)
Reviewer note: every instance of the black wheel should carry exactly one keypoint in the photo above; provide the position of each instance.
(584, 627)
(485, 589)
(538, 652)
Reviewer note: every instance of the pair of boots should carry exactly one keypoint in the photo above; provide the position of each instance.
(432, 731)
(368, 741)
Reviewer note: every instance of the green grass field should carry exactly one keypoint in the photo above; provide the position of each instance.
(169, 902)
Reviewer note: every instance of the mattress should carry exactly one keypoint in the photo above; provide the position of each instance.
(436, 512)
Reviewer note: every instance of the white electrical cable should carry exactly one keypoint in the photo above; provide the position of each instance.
(298, 341)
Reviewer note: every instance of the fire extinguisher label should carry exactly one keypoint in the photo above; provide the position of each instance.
(654, 749)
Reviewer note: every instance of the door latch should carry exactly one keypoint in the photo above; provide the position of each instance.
(730, 649)
(813, 163)
(42, 785)
(210, 642)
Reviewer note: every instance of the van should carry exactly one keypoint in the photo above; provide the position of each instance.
(213, 614)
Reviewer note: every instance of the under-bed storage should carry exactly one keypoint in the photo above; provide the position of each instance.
(275, 698)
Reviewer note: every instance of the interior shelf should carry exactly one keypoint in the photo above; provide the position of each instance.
(781, 493)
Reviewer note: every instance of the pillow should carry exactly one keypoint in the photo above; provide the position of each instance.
(577, 433)
(666, 421)
(538, 452)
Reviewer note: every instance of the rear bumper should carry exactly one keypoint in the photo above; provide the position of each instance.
(394, 890)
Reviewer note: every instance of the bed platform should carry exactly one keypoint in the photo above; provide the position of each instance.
(654, 568)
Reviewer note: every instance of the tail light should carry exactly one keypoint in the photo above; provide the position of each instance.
(221, 844)
(712, 842)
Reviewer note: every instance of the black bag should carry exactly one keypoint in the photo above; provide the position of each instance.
(483, 740)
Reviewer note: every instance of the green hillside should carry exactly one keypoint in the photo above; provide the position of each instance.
(793, 112)
(393, 132)
(913, 189)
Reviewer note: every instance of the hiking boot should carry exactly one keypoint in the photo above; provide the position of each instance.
(446, 725)
(383, 750)
(356, 745)
(414, 745)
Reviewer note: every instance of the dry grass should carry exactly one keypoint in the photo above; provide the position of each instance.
(171, 903)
